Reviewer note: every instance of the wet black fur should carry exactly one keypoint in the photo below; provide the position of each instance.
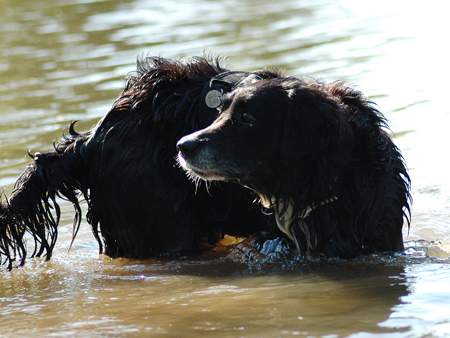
(140, 204)
(304, 142)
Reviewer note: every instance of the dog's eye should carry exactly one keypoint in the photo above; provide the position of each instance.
(248, 119)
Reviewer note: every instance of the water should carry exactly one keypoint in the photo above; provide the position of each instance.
(66, 60)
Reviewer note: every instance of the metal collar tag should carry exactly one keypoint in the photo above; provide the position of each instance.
(213, 98)
(226, 82)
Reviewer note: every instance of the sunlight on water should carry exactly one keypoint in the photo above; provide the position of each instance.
(66, 60)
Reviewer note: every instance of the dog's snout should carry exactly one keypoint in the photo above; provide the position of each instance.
(187, 145)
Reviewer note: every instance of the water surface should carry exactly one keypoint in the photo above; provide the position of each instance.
(66, 60)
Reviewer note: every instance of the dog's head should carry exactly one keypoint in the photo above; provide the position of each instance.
(272, 136)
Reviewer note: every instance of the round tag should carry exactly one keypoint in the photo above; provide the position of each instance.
(213, 98)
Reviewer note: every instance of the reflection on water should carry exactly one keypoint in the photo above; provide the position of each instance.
(66, 60)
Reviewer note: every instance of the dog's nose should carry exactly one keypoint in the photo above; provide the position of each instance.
(187, 146)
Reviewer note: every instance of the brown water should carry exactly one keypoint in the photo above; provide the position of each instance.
(66, 60)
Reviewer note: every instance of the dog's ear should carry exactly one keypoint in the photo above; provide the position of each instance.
(312, 124)
(316, 136)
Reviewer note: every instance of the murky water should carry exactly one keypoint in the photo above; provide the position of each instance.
(66, 60)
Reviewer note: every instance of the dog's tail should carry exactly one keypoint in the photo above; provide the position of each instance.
(32, 208)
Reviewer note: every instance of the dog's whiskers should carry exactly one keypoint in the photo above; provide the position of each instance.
(196, 183)
(208, 185)
(190, 174)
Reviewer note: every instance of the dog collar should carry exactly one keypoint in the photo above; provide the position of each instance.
(285, 215)
(313, 206)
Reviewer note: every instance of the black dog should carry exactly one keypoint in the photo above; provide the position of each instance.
(140, 204)
(317, 155)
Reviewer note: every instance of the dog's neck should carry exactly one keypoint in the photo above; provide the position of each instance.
(285, 214)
